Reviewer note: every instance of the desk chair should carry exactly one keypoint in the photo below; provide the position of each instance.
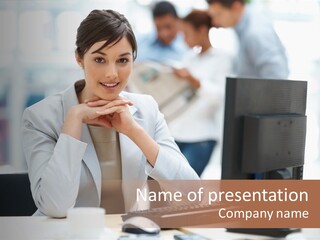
(15, 195)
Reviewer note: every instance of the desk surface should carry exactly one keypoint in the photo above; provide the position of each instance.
(34, 228)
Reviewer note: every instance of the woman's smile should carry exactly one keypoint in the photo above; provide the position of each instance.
(111, 85)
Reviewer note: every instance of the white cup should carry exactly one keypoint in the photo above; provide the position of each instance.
(86, 222)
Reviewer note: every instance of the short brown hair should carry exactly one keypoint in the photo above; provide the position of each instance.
(104, 25)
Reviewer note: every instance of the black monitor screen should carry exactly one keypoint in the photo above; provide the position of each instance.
(264, 129)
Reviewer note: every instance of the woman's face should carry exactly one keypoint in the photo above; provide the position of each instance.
(191, 36)
(107, 70)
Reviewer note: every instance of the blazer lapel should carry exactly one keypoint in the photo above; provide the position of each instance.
(90, 157)
(133, 166)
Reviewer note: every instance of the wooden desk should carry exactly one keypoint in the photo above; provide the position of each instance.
(44, 228)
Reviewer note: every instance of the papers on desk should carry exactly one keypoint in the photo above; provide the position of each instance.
(170, 92)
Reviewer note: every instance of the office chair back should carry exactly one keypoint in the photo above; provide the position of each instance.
(15, 195)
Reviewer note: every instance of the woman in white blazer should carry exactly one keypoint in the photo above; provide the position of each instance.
(62, 161)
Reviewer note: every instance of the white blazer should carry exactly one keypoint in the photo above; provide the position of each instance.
(65, 172)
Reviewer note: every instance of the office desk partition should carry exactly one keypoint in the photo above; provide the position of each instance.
(45, 228)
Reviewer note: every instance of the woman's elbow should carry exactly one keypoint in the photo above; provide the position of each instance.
(54, 209)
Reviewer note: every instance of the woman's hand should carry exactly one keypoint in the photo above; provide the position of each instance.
(184, 74)
(112, 114)
(116, 114)
(98, 112)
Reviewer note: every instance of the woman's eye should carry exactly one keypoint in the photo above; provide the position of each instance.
(99, 60)
(123, 60)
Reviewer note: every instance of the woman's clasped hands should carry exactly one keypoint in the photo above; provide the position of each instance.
(110, 114)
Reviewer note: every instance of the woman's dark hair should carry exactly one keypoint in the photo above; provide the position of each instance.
(198, 18)
(104, 25)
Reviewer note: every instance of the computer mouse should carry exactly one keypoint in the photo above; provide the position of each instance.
(140, 225)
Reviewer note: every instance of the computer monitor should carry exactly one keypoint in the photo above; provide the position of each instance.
(264, 132)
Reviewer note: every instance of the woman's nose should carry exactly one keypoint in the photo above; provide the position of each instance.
(111, 72)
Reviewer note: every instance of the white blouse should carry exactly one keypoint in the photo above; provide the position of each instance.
(202, 119)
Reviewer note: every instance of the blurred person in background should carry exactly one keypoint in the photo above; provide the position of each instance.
(166, 44)
(198, 128)
(261, 53)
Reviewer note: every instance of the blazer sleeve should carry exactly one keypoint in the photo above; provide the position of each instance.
(170, 164)
(54, 163)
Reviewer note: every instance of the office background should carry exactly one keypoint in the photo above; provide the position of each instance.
(37, 58)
